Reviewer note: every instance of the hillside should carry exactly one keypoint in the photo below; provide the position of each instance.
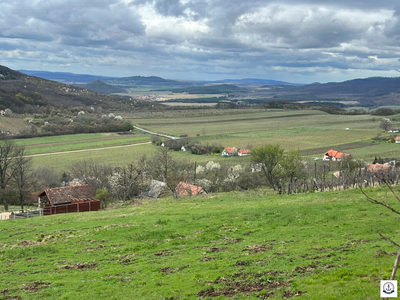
(236, 245)
(101, 87)
(22, 93)
(143, 81)
(210, 89)
(65, 77)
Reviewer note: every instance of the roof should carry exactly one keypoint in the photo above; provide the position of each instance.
(331, 153)
(336, 154)
(341, 155)
(397, 138)
(188, 189)
(65, 194)
(231, 150)
(375, 168)
(245, 151)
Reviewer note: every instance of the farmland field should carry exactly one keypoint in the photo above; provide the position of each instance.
(230, 246)
(310, 132)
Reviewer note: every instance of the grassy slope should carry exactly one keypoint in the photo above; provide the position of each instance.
(320, 244)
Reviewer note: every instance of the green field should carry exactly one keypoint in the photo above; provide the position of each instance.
(226, 246)
(310, 132)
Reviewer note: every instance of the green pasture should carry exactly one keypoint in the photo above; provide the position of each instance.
(242, 245)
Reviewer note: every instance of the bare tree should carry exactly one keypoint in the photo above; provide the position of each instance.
(164, 167)
(394, 210)
(92, 173)
(7, 158)
(22, 175)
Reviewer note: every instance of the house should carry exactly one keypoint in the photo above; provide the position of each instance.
(397, 140)
(189, 189)
(231, 151)
(244, 152)
(377, 168)
(67, 199)
(335, 155)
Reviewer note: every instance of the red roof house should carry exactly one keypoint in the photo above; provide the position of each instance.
(244, 152)
(189, 189)
(377, 168)
(230, 151)
(335, 155)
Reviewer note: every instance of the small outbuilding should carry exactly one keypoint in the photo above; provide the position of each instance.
(230, 151)
(66, 199)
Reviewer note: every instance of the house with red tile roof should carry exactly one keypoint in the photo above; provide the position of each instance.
(335, 155)
(244, 152)
(189, 189)
(230, 151)
(397, 139)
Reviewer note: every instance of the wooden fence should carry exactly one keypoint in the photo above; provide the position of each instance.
(79, 206)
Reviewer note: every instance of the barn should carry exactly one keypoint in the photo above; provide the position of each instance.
(67, 199)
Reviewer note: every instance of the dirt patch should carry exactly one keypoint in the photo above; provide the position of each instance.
(216, 249)
(256, 249)
(290, 293)
(4, 291)
(232, 241)
(80, 266)
(163, 253)
(35, 286)
(206, 258)
(383, 252)
(170, 270)
(24, 244)
(245, 283)
(127, 258)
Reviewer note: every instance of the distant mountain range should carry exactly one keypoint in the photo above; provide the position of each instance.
(252, 81)
(65, 76)
(101, 87)
(132, 81)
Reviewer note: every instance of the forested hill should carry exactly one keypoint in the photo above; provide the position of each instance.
(27, 94)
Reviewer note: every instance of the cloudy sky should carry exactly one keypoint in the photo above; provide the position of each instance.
(300, 41)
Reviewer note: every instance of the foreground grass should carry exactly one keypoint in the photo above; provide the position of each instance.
(236, 245)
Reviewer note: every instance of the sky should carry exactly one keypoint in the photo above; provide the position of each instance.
(300, 41)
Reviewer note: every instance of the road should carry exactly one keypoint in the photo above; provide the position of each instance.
(159, 134)
(86, 150)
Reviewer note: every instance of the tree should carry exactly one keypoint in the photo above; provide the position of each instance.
(292, 165)
(385, 124)
(268, 157)
(164, 167)
(22, 175)
(7, 159)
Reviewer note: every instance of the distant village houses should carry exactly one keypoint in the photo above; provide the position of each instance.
(334, 155)
(230, 151)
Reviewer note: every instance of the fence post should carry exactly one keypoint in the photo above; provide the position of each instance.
(77, 206)
(90, 208)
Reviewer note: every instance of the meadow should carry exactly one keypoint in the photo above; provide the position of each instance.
(241, 245)
(308, 131)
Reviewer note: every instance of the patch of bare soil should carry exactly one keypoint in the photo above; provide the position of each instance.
(170, 270)
(24, 244)
(35, 286)
(256, 249)
(206, 258)
(80, 266)
(127, 258)
(244, 283)
(4, 291)
(163, 253)
(232, 241)
(383, 252)
(216, 249)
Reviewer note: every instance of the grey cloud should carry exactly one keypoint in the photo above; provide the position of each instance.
(170, 8)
